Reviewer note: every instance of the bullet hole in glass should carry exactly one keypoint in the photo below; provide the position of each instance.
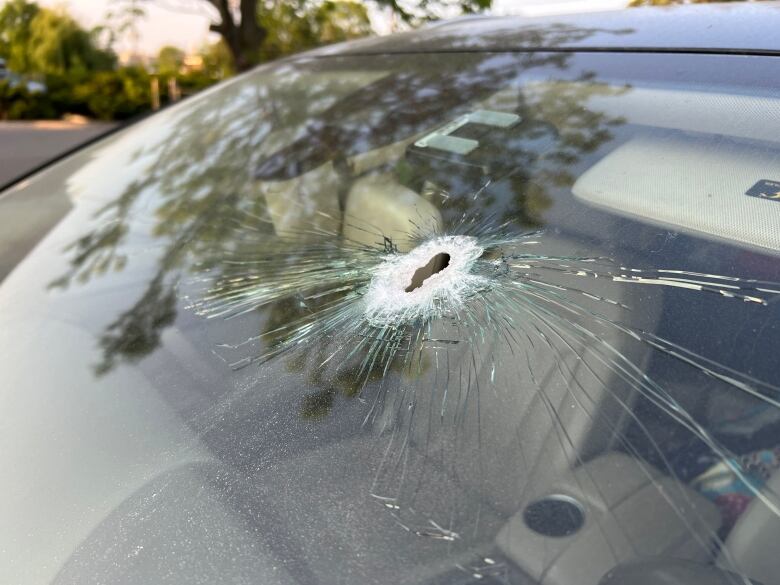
(435, 265)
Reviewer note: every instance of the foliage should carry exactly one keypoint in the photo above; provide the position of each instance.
(57, 44)
(106, 95)
(44, 41)
(216, 64)
(16, 17)
(17, 103)
(420, 11)
(115, 95)
(268, 29)
(82, 77)
(170, 60)
(217, 61)
(300, 24)
(257, 30)
(335, 22)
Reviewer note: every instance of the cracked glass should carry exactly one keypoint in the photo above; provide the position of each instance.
(454, 318)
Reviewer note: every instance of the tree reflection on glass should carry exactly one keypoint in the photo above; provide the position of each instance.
(213, 171)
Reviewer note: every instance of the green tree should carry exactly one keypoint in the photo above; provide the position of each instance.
(417, 12)
(169, 60)
(294, 26)
(240, 30)
(16, 17)
(249, 28)
(278, 28)
(170, 63)
(40, 40)
(18, 103)
(58, 45)
(115, 95)
(217, 61)
(335, 22)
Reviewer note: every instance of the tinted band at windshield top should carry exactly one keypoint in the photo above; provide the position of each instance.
(505, 318)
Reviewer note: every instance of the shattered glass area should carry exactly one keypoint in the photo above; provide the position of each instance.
(485, 347)
(474, 318)
(435, 364)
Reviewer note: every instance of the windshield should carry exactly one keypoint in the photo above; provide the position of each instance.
(478, 317)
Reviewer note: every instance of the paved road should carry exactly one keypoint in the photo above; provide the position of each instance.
(25, 145)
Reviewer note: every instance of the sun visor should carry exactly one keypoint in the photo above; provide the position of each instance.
(723, 188)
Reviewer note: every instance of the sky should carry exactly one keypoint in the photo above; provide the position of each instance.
(184, 23)
(163, 25)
